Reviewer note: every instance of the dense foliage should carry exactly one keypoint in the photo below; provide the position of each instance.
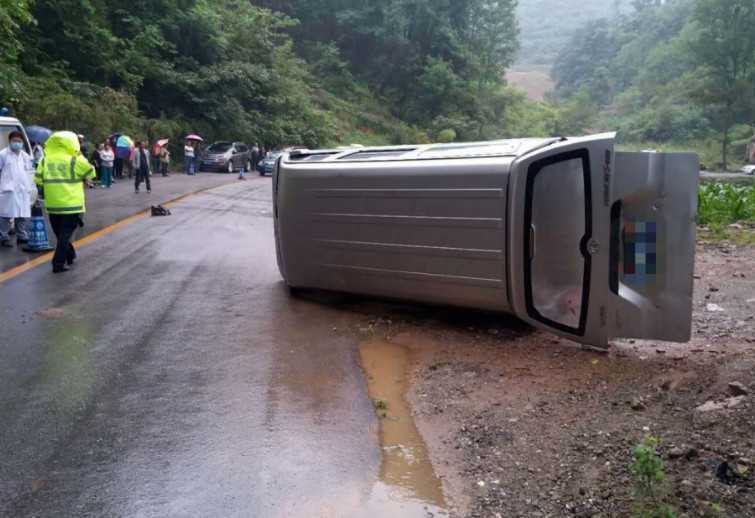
(308, 72)
(670, 73)
(680, 71)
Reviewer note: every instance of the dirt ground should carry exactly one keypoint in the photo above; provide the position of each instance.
(521, 423)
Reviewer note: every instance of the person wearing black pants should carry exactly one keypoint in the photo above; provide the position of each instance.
(141, 167)
(118, 171)
(64, 225)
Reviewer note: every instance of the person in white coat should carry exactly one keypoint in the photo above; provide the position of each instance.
(16, 186)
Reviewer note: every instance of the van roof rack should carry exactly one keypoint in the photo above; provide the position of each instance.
(494, 148)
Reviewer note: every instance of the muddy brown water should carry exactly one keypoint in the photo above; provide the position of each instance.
(408, 486)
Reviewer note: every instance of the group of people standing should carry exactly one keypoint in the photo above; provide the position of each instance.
(140, 163)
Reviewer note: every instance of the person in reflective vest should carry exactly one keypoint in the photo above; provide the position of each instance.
(61, 177)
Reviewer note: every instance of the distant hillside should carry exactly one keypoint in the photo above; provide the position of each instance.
(546, 25)
(535, 80)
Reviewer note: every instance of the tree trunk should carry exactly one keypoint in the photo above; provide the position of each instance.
(725, 149)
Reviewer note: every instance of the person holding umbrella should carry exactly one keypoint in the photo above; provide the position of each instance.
(188, 158)
(38, 135)
(191, 153)
(123, 147)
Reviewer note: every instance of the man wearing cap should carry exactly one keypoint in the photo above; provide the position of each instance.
(16, 188)
(61, 176)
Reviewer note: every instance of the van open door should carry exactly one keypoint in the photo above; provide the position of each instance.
(602, 243)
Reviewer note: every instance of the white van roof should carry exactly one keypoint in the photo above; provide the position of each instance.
(9, 121)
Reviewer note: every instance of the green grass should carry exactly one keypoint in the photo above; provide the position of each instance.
(723, 204)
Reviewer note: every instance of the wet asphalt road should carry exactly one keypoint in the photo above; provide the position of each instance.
(171, 374)
(107, 206)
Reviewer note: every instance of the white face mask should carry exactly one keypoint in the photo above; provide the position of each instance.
(16, 145)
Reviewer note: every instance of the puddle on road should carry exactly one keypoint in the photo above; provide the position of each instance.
(408, 485)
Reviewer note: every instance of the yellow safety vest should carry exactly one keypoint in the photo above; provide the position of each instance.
(62, 172)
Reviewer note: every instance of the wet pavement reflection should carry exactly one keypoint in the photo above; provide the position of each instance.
(172, 374)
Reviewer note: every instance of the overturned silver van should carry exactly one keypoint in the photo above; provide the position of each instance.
(566, 233)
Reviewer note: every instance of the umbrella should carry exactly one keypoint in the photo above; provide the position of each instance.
(125, 142)
(194, 137)
(163, 141)
(38, 134)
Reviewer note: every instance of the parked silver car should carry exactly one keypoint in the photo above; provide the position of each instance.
(227, 157)
(567, 234)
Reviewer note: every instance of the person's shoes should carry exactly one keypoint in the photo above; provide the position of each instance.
(5, 243)
(60, 269)
(136, 191)
(149, 190)
(70, 261)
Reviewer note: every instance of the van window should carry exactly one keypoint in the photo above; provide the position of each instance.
(558, 224)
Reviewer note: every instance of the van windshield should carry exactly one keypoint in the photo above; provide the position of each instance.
(557, 222)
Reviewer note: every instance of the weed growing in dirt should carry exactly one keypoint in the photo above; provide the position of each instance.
(714, 510)
(649, 479)
(721, 204)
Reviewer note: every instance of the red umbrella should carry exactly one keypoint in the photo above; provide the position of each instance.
(194, 137)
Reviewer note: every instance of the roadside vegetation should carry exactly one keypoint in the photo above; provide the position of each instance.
(674, 74)
(649, 481)
(677, 73)
(727, 212)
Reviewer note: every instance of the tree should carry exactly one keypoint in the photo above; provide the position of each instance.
(723, 48)
(493, 35)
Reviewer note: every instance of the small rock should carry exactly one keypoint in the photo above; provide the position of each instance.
(637, 404)
(712, 406)
(737, 388)
(691, 453)
(675, 453)
(715, 308)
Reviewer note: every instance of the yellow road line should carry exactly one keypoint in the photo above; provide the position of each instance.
(46, 258)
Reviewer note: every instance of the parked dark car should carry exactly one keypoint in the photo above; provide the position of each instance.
(227, 157)
(267, 164)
